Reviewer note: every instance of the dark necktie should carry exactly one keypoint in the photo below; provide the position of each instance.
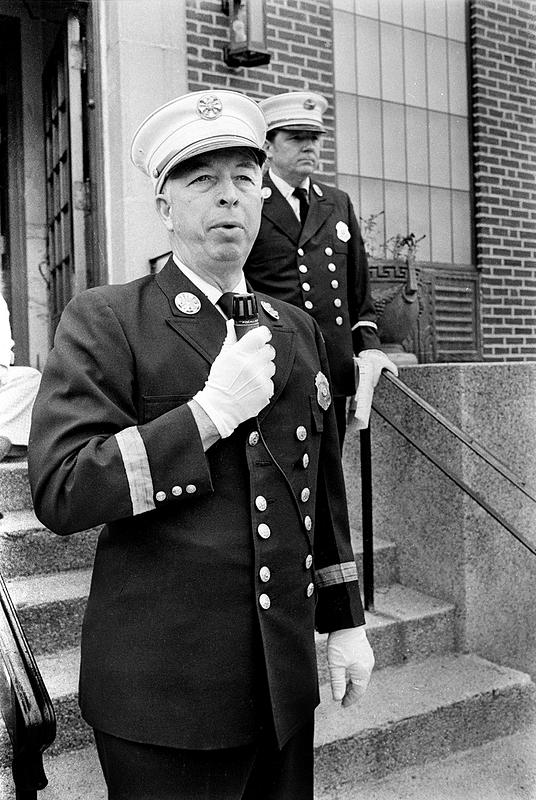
(301, 194)
(226, 304)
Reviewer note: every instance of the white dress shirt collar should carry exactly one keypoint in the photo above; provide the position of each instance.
(288, 191)
(212, 292)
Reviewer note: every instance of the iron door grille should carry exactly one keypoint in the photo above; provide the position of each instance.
(64, 164)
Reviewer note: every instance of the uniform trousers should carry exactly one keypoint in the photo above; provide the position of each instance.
(258, 771)
(339, 404)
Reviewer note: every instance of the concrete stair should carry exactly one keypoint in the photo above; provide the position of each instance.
(425, 700)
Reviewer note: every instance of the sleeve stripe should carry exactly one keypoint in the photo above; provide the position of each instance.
(137, 469)
(336, 573)
(365, 324)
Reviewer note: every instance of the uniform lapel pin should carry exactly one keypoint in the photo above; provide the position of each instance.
(188, 303)
(270, 310)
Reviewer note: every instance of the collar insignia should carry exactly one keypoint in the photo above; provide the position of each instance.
(269, 309)
(188, 303)
(317, 190)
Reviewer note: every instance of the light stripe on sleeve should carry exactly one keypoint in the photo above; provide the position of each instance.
(336, 573)
(137, 469)
(365, 324)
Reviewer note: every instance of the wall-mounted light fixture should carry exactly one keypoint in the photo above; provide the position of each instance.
(247, 33)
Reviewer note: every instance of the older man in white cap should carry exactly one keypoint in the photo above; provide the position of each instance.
(309, 250)
(214, 462)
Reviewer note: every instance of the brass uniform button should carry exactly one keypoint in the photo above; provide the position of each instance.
(305, 495)
(253, 438)
(310, 590)
(261, 503)
(301, 433)
(264, 574)
(160, 496)
(309, 561)
(264, 601)
(176, 491)
(264, 531)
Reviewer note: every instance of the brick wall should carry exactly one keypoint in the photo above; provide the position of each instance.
(299, 37)
(504, 136)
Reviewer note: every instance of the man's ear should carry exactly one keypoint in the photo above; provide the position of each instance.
(163, 208)
(268, 149)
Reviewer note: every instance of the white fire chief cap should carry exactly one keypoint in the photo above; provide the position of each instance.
(196, 123)
(298, 111)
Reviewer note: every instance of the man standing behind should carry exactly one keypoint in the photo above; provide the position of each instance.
(215, 464)
(309, 250)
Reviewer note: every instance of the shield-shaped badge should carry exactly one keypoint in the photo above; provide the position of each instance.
(323, 394)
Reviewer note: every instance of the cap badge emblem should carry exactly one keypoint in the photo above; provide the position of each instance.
(269, 309)
(188, 303)
(309, 104)
(323, 395)
(209, 106)
(317, 190)
(342, 231)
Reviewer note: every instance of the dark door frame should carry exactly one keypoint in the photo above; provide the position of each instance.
(15, 259)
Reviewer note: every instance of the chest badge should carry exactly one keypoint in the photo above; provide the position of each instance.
(188, 303)
(266, 192)
(270, 310)
(323, 395)
(317, 190)
(342, 231)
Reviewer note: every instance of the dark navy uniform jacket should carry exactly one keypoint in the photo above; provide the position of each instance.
(213, 568)
(322, 268)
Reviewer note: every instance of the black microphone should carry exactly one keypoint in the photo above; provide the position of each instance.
(245, 313)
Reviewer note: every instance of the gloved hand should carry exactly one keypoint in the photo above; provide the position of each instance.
(370, 364)
(376, 361)
(239, 383)
(349, 652)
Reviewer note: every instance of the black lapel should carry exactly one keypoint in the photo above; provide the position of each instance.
(205, 330)
(320, 207)
(284, 342)
(279, 212)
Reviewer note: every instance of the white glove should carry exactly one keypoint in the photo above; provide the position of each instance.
(349, 651)
(239, 383)
(370, 364)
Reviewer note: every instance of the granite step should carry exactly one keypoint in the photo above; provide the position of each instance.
(405, 625)
(14, 486)
(504, 769)
(411, 714)
(28, 548)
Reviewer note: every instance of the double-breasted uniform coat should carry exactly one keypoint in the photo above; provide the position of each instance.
(321, 268)
(213, 568)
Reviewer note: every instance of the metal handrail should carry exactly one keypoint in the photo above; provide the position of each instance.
(24, 703)
(470, 441)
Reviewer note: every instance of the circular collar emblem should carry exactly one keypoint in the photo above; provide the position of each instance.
(187, 303)
(209, 106)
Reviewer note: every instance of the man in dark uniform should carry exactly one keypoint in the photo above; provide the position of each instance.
(309, 250)
(214, 463)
